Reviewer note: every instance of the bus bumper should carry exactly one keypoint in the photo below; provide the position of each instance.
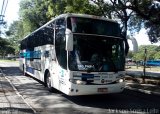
(95, 89)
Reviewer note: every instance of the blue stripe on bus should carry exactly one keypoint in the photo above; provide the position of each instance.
(30, 70)
(31, 54)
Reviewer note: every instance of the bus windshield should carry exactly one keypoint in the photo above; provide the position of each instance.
(97, 53)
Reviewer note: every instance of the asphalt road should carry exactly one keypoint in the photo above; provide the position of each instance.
(44, 102)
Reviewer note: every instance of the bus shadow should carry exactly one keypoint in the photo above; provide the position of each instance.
(124, 100)
(35, 84)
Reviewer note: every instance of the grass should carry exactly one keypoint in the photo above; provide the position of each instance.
(6, 60)
(131, 79)
(148, 80)
(140, 68)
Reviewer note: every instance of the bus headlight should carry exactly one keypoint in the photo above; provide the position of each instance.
(79, 82)
(121, 80)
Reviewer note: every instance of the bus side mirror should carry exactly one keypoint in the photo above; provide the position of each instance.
(134, 42)
(69, 40)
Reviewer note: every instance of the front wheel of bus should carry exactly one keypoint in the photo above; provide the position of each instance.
(24, 71)
(48, 83)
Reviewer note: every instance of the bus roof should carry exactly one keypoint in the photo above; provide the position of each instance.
(84, 15)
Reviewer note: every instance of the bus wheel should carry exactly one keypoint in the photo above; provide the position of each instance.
(48, 82)
(24, 73)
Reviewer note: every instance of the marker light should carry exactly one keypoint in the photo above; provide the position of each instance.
(79, 82)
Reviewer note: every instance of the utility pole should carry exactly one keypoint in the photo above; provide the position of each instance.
(144, 65)
(2, 14)
(2, 24)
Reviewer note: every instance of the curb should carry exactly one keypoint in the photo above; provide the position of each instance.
(143, 91)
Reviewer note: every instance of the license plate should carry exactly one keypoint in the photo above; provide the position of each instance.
(102, 89)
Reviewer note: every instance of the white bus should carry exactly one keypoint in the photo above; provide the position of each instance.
(77, 54)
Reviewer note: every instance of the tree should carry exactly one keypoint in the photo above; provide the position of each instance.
(158, 48)
(5, 48)
(157, 56)
(130, 54)
(15, 33)
(134, 14)
(138, 56)
(80, 6)
(151, 51)
(57, 7)
(33, 14)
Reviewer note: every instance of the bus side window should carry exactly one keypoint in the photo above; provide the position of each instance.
(60, 42)
(49, 33)
(46, 54)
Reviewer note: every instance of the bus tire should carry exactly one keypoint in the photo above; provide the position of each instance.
(48, 82)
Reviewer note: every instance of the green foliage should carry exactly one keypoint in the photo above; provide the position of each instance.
(33, 14)
(138, 56)
(152, 53)
(15, 33)
(157, 55)
(130, 54)
(148, 47)
(70, 6)
(80, 6)
(5, 47)
(3, 43)
(158, 48)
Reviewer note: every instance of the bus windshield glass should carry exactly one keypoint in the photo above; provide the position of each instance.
(96, 53)
(93, 26)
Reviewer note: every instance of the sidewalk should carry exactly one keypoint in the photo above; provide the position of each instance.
(11, 101)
